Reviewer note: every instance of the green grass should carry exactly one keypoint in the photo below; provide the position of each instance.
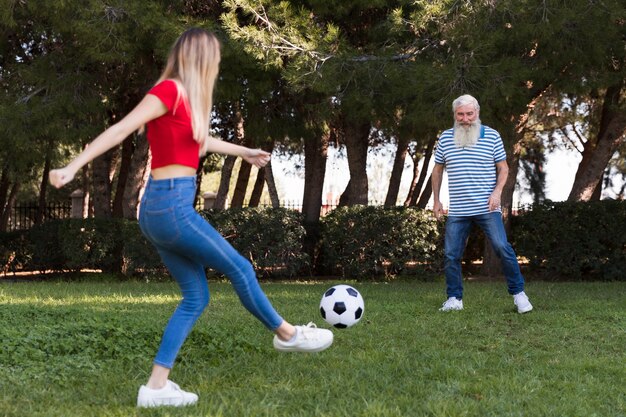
(83, 349)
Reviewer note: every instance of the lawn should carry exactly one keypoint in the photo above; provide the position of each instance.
(83, 349)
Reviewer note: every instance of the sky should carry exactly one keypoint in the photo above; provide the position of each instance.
(560, 170)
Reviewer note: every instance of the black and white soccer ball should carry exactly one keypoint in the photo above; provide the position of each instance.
(342, 306)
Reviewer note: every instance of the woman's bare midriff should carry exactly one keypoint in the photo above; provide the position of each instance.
(172, 171)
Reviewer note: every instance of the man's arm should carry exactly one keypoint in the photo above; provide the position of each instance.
(502, 172)
(436, 179)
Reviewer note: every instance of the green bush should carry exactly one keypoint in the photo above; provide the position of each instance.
(574, 239)
(15, 251)
(46, 250)
(560, 240)
(271, 238)
(74, 244)
(139, 257)
(365, 241)
(112, 245)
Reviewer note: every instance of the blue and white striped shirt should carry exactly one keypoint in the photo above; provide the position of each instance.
(471, 170)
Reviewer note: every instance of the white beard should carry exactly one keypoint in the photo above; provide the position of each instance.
(466, 136)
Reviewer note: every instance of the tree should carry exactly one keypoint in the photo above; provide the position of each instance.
(362, 57)
(90, 63)
(598, 151)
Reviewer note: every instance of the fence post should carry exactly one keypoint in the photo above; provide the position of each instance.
(209, 199)
(77, 204)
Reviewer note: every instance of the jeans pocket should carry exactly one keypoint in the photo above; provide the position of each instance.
(160, 226)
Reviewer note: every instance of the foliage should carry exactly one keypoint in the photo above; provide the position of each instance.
(574, 240)
(271, 238)
(15, 251)
(559, 240)
(83, 349)
(114, 245)
(138, 256)
(362, 241)
(71, 68)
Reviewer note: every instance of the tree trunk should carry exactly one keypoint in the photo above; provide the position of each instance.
(101, 183)
(128, 148)
(315, 157)
(356, 138)
(41, 206)
(241, 186)
(414, 178)
(139, 172)
(243, 177)
(271, 185)
(10, 202)
(425, 195)
(263, 176)
(229, 161)
(5, 206)
(257, 190)
(4, 191)
(222, 191)
(596, 156)
(396, 171)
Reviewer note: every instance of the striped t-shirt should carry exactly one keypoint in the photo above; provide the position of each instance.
(471, 170)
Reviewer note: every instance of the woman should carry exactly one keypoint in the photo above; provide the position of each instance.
(176, 112)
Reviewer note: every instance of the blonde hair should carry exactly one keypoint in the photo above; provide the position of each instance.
(193, 62)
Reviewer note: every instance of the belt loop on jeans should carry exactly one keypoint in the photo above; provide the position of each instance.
(172, 182)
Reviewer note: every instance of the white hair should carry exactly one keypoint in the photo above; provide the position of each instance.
(466, 136)
(464, 100)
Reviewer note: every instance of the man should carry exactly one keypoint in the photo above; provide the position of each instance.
(474, 158)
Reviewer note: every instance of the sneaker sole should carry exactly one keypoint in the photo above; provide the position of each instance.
(163, 403)
(525, 310)
(298, 349)
(450, 309)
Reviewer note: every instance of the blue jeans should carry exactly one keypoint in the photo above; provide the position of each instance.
(187, 244)
(457, 232)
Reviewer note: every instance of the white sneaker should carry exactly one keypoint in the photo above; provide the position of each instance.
(451, 304)
(522, 302)
(307, 339)
(170, 394)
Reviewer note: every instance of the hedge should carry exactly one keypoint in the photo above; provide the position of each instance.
(367, 241)
(559, 240)
(574, 240)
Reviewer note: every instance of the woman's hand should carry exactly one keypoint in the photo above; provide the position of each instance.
(60, 177)
(257, 157)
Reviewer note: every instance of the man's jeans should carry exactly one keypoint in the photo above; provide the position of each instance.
(457, 232)
(187, 244)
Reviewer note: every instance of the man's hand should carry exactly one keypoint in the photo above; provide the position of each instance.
(494, 201)
(438, 210)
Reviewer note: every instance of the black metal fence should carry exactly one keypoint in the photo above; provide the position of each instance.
(23, 216)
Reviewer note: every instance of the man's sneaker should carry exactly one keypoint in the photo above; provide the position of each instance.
(522, 302)
(307, 339)
(451, 304)
(170, 394)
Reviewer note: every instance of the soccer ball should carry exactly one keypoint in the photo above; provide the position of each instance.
(342, 306)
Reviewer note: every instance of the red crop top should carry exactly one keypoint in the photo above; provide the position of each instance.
(171, 135)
